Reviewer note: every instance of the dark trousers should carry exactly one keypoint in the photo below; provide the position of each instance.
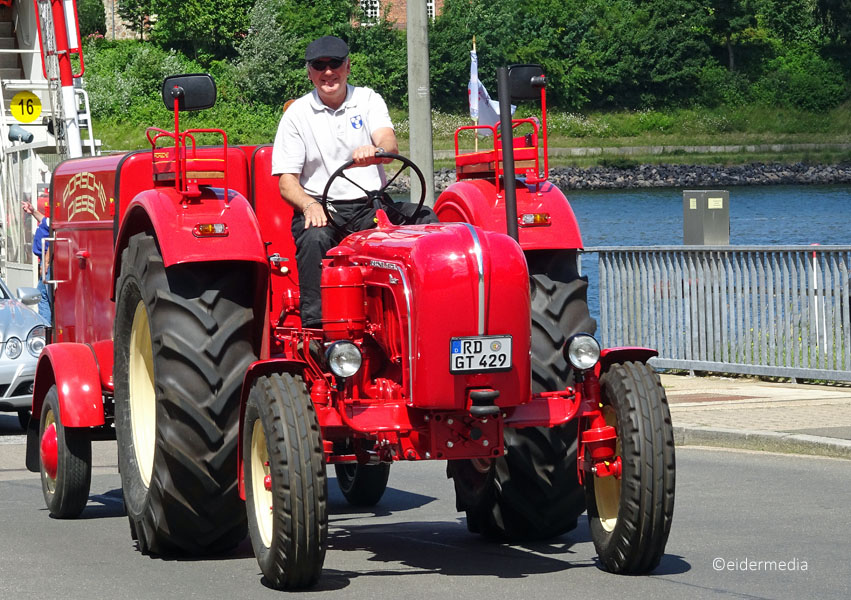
(313, 243)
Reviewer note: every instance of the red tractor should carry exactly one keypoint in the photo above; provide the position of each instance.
(176, 330)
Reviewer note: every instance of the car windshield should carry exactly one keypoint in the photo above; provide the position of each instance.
(4, 291)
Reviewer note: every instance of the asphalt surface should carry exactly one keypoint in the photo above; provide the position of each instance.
(746, 525)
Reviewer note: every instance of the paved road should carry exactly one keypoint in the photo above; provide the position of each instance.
(734, 506)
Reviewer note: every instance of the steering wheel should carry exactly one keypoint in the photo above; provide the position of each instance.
(375, 198)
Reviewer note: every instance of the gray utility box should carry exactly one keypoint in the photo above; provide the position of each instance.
(706, 218)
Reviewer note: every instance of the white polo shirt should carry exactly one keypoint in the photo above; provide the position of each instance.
(313, 140)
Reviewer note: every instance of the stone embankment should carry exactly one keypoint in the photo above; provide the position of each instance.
(684, 176)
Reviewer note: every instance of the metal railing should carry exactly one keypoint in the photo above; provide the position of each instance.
(762, 310)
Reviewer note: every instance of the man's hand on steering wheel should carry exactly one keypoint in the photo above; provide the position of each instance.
(375, 198)
(364, 156)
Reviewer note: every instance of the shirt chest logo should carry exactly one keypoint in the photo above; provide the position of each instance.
(356, 121)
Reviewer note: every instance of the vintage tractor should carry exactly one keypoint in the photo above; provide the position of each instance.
(431, 347)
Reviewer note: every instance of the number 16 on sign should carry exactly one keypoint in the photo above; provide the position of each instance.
(26, 107)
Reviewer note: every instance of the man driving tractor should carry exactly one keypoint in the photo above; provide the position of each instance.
(319, 132)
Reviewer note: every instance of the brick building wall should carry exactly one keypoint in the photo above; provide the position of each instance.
(115, 27)
(398, 10)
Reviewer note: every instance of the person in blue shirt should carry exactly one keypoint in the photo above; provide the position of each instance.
(43, 231)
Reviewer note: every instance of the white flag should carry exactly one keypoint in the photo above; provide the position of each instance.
(481, 105)
(473, 86)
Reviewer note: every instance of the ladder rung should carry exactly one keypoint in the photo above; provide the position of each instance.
(25, 84)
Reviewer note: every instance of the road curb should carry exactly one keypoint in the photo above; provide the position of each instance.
(767, 441)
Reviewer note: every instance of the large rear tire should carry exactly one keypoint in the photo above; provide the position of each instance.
(286, 488)
(533, 492)
(184, 338)
(630, 517)
(66, 475)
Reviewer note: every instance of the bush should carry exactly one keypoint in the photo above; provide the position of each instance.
(92, 17)
(124, 78)
(717, 86)
(802, 79)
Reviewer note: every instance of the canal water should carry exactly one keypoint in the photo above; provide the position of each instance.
(759, 215)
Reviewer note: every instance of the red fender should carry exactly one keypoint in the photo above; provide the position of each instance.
(258, 369)
(74, 369)
(611, 356)
(476, 201)
(174, 223)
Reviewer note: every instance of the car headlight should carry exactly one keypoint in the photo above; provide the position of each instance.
(582, 351)
(13, 347)
(344, 358)
(36, 341)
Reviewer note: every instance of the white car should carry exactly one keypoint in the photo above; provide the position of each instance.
(22, 338)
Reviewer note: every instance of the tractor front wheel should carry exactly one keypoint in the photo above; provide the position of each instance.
(184, 338)
(630, 517)
(66, 462)
(362, 485)
(286, 488)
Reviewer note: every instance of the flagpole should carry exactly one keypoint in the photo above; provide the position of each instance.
(476, 119)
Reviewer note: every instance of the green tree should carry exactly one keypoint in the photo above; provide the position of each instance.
(835, 17)
(264, 65)
(92, 17)
(135, 14)
(788, 20)
(729, 18)
(379, 60)
(205, 31)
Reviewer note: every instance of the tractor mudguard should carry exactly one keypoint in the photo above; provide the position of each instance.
(476, 201)
(176, 227)
(259, 369)
(622, 354)
(74, 369)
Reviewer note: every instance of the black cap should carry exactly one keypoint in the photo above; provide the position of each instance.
(327, 46)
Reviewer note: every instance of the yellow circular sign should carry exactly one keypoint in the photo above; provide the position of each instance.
(26, 107)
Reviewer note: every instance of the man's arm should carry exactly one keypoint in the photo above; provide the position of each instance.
(28, 208)
(383, 137)
(292, 192)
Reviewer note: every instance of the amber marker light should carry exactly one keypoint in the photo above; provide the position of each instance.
(204, 230)
(533, 219)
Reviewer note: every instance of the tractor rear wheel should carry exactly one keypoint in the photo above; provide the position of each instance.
(533, 492)
(286, 488)
(184, 338)
(66, 462)
(630, 517)
(362, 485)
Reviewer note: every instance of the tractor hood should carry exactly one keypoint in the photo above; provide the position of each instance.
(449, 281)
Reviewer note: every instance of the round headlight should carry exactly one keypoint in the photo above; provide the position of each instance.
(344, 358)
(14, 347)
(582, 351)
(36, 341)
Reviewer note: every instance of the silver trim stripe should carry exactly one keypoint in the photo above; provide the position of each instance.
(477, 250)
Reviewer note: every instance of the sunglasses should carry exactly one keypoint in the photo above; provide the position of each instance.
(321, 65)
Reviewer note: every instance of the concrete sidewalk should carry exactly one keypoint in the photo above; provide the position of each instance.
(759, 415)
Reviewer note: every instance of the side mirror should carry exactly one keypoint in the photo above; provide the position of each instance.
(525, 81)
(192, 92)
(28, 295)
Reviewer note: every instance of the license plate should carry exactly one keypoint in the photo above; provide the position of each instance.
(480, 353)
